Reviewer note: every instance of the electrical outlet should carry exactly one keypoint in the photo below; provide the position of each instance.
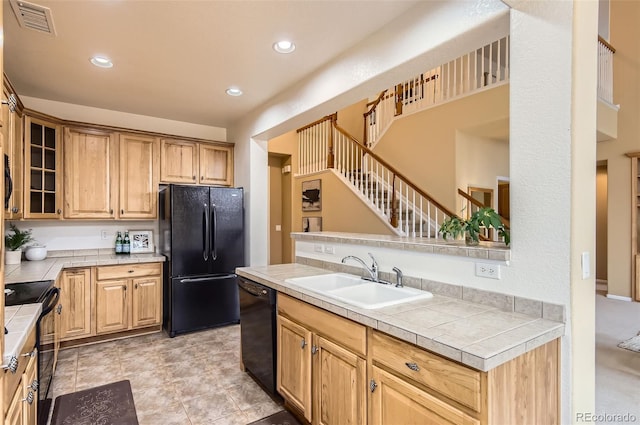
(329, 249)
(103, 234)
(492, 271)
(318, 248)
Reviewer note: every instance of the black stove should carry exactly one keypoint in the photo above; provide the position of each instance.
(26, 292)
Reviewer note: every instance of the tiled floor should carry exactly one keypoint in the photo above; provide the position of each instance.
(192, 379)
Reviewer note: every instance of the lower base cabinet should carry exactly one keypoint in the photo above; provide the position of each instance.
(321, 364)
(335, 371)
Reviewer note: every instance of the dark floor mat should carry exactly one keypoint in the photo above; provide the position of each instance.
(110, 404)
(280, 418)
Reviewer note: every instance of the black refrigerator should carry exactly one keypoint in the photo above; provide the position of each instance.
(202, 236)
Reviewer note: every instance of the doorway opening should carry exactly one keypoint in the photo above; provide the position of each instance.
(280, 244)
(601, 227)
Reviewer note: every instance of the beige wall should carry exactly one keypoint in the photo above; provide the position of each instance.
(342, 210)
(286, 147)
(351, 119)
(479, 163)
(625, 34)
(430, 162)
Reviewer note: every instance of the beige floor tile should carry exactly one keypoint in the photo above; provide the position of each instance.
(262, 410)
(237, 418)
(228, 376)
(196, 386)
(155, 399)
(247, 395)
(209, 407)
(170, 414)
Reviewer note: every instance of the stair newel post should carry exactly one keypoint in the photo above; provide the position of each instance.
(394, 208)
(330, 154)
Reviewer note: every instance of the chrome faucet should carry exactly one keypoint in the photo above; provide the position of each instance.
(373, 270)
(398, 277)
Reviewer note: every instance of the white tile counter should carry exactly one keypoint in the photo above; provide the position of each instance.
(50, 267)
(19, 321)
(476, 333)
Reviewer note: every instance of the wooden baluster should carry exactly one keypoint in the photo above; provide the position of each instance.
(394, 209)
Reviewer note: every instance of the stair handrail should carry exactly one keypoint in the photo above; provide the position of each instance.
(371, 110)
(479, 204)
(395, 172)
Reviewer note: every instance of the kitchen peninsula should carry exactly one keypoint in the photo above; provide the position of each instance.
(466, 355)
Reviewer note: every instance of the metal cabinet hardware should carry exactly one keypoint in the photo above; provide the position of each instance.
(314, 349)
(13, 364)
(34, 385)
(59, 309)
(373, 385)
(12, 102)
(413, 366)
(303, 343)
(29, 399)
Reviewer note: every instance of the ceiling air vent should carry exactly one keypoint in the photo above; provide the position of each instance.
(33, 16)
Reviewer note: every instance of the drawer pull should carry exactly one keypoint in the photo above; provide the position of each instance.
(413, 366)
(34, 385)
(13, 364)
(303, 343)
(314, 350)
(59, 309)
(373, 385)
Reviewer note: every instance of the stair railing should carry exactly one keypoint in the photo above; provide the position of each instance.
(605, 70)
(409, 209)
(315, 145)
(469, 73)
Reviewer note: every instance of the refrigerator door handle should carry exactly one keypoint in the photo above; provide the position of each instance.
(205, 233)
(203, 279)
(214, 218)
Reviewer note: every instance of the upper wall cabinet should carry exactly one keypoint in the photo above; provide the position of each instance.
(216, 165)
(189, 162)
(178, 161)
(90, 173)
(12, 119)
(43, 164)
(139, 169)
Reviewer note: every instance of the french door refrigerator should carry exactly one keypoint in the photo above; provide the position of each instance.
(202, 236)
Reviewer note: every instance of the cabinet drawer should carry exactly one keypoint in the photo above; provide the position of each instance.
(128, 270)
(457, 382)
(338, 329)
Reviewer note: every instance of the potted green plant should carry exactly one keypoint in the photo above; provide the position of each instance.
(455, 226)
(14, 240)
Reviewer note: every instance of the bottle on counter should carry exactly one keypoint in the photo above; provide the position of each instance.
(126, 244)
(119, 243)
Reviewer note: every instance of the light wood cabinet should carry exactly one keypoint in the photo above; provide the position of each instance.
(128, 297)
(16, 387)
(321, 363)
(75, 299)
(12, 118)
(216, 165)
(14, 415)
(29, 391)
(294, 365)
(90, 174)
(178, 161)
(190, 162)
(635, 224)
(43, 165)
(139, 168)
(393, 400)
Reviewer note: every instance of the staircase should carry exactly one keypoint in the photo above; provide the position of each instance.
(408, 210)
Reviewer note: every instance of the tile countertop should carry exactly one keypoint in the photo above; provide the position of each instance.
(477, 335)
(50, 267)
(19, 321)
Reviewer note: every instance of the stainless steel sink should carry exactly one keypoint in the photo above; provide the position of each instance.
(358, 292)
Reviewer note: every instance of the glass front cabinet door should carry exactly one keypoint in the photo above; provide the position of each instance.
(43, 178)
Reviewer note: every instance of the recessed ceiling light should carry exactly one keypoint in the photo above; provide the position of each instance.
(102, 61)
(234, 91)
(284, 46)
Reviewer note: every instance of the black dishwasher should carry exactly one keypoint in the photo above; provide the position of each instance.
(258, 332)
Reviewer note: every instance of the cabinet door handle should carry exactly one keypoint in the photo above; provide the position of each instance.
(121, 211)
(59, 211)
(15, 209)
(373, 385)
(194, 177)
(34, 385)
(59, 309)
(111, 211)
(135, 286)
(314, 349)
(303, 343)
(413, 366)
(13, 364)
(29, 398)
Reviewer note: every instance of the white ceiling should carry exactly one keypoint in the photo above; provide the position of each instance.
(174, 59)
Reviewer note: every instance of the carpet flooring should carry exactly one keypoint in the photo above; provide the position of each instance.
(110, 404)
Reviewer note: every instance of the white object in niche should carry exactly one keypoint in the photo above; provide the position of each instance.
(141, 241)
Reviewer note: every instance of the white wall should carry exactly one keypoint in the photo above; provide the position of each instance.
(65, 235)
(81, 113)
